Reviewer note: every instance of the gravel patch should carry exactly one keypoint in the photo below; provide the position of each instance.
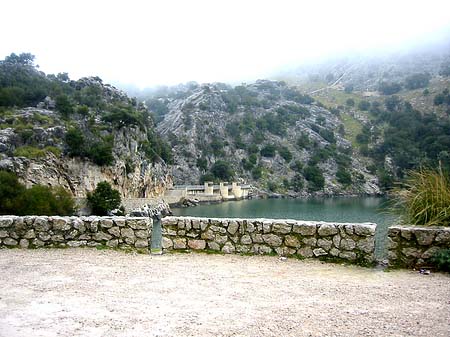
(88, 292)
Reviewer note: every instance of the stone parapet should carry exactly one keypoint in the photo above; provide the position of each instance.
(413, 247)
(55, 231)
(354, 242)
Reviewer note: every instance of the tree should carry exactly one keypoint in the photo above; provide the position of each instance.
(350, 102)
(297, 182)
(389, 88)
(343, 176)
(268, 150)
(364, 105)
(315, 178)
(285, 153)
(75, 142)
(10, 189)
(104, 199)
(44, 200)
(417, 81)
(222, 170)
(63, 105)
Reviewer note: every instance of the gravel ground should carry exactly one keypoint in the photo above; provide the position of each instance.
(87, 292)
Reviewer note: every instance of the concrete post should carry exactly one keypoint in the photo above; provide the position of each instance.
(224, 190)
(209, 188)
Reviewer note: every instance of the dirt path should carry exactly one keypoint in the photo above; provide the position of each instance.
(86, 292)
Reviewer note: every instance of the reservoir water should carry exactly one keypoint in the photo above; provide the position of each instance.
(343, 209)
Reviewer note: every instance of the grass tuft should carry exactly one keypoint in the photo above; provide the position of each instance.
(424, 199)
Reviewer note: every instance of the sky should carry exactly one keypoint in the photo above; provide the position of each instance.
(166, 42)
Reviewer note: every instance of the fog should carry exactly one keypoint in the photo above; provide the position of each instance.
(165, 42)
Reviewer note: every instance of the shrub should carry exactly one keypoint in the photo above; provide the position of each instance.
(75, 142)
(417, 81)
(103, 199)
(10, 190)
(350, 102)
(364, 105)
(389, 88)
(442, 260)
(268, 151)
(44, 200)
(343, 176)
(424, 199)
(101, 153)
(32, 152)
(222, 170)
(297, 182)
(315, 178)
(285, 153)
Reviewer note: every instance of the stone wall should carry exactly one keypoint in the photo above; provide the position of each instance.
(351, 242)
(43, 231)
(413, 247)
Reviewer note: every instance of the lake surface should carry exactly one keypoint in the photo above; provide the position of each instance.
(343, 209)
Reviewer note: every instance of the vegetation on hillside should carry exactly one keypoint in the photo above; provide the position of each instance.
(16, 199)
(91, 112)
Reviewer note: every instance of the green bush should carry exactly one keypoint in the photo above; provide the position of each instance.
(268, 150)
(103, 199)
(343, 176)
(32, 152)
(75, 142)
(424, 199)
(37, 200)
(315, 178)
(101, 153)
(285, 153)
(221, 170)
(442, 260)
(10, 190)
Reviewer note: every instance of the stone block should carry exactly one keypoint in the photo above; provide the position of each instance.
(267, 227)
(325, 244)
(127, 233)
(138, 223)
(61, 224)
(291, 241)
(102, 236)
(349, 229)
(141, 234)
(213, 246)
(207, 235)
(24, 243)
(6, 221)
(347, 244)
(44, 236)
(367, 245)
(391, 244)
(233, 227)
(430, 252)
(93, 225)
(327, 230)
(41, 224)
(272, 240)
(141, 243)
(113, 243)
(305, 252)
(120, 222)
(196, 223)
(334, 252)
(261, 249)
(346, 255)
(257, 238)
(310, 241)
(228, 248)
(411, 252)
(187, 224)
(106, 223)
(337, 240)
(319, 252)
(203, 225)
(251, 227)
(38, 243)
(10, 242)
(75, 243)
(246, 239)
(30, 234)
(114, 231)
(3, 234)
(179, 243)
(406, 233)
(443, 236)
(281, 228)
(285, 251)
(197, 244)
(221, 239)
(425, 236)
(78, 224)
(166, 243)
(57, 238)
(364, 229)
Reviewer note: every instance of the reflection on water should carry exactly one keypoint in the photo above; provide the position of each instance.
(355, 209)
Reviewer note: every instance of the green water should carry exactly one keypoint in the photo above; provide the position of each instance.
(357, 209)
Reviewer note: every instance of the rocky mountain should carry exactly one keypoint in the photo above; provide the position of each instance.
(75, 134)
(266, 133)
